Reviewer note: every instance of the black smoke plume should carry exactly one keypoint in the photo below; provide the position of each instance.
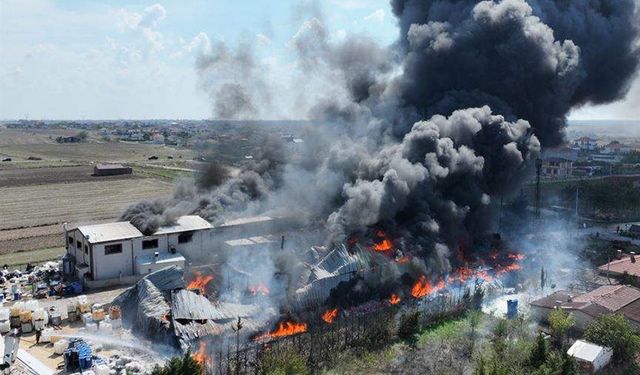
(425, 134)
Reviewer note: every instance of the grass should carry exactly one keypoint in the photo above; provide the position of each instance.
(442, 331)
(33, 257)
(163, 173)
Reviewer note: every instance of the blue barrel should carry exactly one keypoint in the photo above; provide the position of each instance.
(512, 308)
(16, 296)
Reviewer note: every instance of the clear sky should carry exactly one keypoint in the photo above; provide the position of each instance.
(70, 59)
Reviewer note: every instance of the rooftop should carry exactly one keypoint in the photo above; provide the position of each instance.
(109, 232)
(552, 300)
(185, 224)
(110, 166)
(246, 220)
(611, 297)
(586, 351)
(623, 265)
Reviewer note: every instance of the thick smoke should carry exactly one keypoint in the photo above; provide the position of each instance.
(423, 135)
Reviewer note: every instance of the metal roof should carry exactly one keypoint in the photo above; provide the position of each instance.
(246, 220)
(252, 241)
(188, 305)
(97, 233)
(185, 224)
(586, 351)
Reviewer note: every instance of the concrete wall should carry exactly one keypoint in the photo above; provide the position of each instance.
(113, 265)
(194, 249)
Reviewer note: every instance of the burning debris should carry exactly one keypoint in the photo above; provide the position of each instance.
(330, 316)
(286, 328)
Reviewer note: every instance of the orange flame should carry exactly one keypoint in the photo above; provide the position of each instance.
(201, 355)
(284, 329)
(404, 260)
(330, 316)
(259, 289)
(421, 288)
(385, 244)
(394, 299)
(200, 282)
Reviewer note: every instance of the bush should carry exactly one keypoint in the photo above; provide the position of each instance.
(560, 322)
(615, 332)
(179, 366)
(378, 335)
(538, 354)
(408, 327)
(287, 362)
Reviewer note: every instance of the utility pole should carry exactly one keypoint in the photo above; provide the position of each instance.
(537, 197)
(237, 329)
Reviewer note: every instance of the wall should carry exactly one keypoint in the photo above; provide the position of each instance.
(113, 265)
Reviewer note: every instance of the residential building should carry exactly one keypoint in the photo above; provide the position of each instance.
(585, 308)
(617, 148)
(586, 144)
(626, 264)
(557, 168)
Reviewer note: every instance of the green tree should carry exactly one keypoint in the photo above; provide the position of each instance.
(180, 366)
(615, 332)
(82, 135)
(538, 354)
(408, 327)
(560, 322)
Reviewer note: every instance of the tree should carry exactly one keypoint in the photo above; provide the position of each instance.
(543, 279)
(538, 354)
(82, 135)
(409, 324)
(180, 366)
(560, 322)
(615, 332)
(478, 296)
(287, 362)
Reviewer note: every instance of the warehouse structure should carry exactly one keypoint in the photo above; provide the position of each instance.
(118, 253)
(111, 170)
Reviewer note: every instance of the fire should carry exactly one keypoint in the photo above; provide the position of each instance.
(385, 244)
(404, 260)
(258, 289)
(421, 288)
(394, 299)
(284, 329)
(201, 355)
(330, 316)
(515, 256)
(200, 282)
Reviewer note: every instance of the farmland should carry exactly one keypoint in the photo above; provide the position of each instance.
(47, 184)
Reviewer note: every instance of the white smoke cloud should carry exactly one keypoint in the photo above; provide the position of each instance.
(377, 16)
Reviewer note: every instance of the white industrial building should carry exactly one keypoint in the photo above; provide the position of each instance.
(118, 252)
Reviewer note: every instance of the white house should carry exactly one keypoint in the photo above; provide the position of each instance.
(119, 251)
(590, 357)
(585, 143)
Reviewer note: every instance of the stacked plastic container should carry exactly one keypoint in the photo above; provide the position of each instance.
(5, 324)
(78, 356)
(115, 315)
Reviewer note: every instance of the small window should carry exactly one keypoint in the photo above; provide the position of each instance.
(70, 240)
(185, 237)
(150, 244)
(86, 249)
(113, 249)
(79, 245)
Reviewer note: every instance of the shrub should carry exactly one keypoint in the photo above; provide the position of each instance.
(288, 362)
(179, 366)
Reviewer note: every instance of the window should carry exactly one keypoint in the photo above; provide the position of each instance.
(150, 244)
(79, 245)
(112, 249)
(70, 240)
(185, 237)
(86, 249)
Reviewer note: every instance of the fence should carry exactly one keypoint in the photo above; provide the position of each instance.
(319, 345)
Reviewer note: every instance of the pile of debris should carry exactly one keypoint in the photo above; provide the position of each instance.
(161, 308)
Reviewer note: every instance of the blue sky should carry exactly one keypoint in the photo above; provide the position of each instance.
(72, 59)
